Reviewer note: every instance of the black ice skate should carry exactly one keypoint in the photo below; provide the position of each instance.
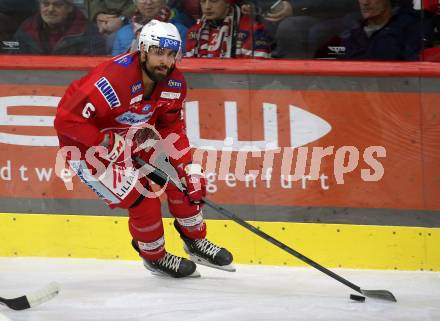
(172, 265)
(205, 252)
(169, 265)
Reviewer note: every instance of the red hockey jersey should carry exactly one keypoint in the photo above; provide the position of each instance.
(110, 97)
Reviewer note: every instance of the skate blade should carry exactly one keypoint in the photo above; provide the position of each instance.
(155, 272)
(198, 260)
(195, 274)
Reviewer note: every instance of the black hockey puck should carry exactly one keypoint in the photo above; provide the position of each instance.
(358, 298)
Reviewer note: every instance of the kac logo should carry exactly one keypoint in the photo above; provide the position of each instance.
(108, 92)
(146, 108)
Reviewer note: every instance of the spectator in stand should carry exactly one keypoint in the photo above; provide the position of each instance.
(109, 21)
(385, 32)
(59, 28)
(431, 23)
(223, 32)
(291, 23)
(110, 16)
(185, 9)
(123, 7)
(12, 14)
(192, 9)
(146, 10)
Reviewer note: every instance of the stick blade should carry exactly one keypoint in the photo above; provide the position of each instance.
(45, 294)
(33, 299)
(379, 294)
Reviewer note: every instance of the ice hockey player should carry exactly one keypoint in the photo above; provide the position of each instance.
(143, 89)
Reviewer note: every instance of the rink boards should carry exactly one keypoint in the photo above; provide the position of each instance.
(333, 245)
(360, 139)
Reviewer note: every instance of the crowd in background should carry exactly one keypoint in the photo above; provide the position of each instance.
(294, 29)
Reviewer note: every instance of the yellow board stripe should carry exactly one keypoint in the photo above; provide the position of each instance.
(332, 245)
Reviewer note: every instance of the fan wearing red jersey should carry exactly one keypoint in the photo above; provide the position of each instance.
(131, 107)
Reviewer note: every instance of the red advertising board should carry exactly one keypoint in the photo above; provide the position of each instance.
(329, 134)
(344, 148)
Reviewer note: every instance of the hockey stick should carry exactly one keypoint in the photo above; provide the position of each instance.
(161, 178)
(33, 299)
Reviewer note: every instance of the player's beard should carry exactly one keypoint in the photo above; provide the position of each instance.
(157, 73)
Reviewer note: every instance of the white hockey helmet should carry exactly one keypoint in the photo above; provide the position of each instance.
(160, 34)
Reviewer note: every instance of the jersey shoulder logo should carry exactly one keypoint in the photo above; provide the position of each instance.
(108, 92)
(125, 60)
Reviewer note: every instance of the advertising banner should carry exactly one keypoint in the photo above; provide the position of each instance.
(347, 147)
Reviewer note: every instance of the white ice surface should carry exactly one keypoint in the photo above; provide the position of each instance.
(104, 290)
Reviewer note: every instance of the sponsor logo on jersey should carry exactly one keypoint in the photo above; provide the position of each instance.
(124, 61)
(136, 99)
(77, 166)
(172, 83)
(169, 95)
(80, 168)
(129, 118)
(124, 180)
(172, 44)
(137, 87)
(146, 108)
(119, 180)
(108, 92)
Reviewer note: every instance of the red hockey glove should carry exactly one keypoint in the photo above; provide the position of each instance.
(195, 182)
(118, 149)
